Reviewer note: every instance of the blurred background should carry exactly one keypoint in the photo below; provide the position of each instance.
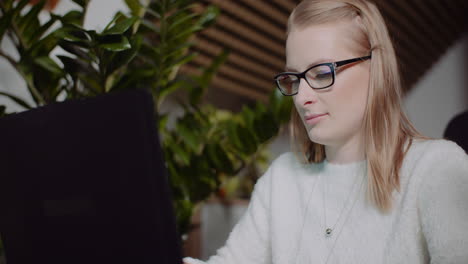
(430, 38)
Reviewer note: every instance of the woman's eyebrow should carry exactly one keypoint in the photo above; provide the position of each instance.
(322, 60)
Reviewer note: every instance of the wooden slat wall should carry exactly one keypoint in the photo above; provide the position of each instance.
(254, 32)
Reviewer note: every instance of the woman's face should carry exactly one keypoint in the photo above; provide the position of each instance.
(333, 116)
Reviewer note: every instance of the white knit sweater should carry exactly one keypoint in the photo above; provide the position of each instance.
(284, 223)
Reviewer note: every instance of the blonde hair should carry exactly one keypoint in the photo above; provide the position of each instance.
(386, 126)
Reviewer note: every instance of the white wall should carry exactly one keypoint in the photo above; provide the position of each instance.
(442, 93)
(99, 13)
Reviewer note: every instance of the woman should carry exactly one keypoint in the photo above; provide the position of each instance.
(365, 187)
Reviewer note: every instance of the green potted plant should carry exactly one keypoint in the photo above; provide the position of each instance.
(205, 146)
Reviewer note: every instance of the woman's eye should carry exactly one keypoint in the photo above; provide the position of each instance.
(324, 75)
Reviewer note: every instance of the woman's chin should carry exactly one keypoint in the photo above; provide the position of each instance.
(319, 138)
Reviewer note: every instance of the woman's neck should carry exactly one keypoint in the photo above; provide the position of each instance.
(349, 152)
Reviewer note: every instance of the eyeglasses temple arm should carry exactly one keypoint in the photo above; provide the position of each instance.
(344, 62)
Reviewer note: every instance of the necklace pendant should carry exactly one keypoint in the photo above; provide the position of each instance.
(328, 232)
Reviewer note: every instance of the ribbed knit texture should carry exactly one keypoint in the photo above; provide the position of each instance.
(284, 223)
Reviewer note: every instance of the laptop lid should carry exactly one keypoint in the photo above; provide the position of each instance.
(84, 181)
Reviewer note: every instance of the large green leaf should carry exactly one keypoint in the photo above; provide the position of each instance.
(172, 86)
(73, 17)
(218, 158)
(265, 126)
(182, 9)
(247, 138)
(19, 6)
(184, 59)
(30, 21)
(248, 116)
(134, 78)
(38, 34)
(49, 65)
(162, 121)
(10, 14)
(5, 22)
(82, 3)
(184, 18)
(27, 72)
(91, 83)
(114, 42)
(73, 34)
(121, 26)
(178, 153)
(209, 16)
(154, 10)
(150, 25)
(184, 209)
(75, 66)
(125, 57)
(197, 92)
(187, 129)
(151, 55)
(242, 139)
(281, 106)
(184, 34)
(177, 51)
(134, 6)
(117, 17)
(76, 50)
(7, 4)
(44, 46)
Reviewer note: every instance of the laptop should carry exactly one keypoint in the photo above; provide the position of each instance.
(84, 181)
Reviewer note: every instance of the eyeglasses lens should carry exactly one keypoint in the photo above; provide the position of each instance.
(320, 77)
(288, 83)
(317, 78)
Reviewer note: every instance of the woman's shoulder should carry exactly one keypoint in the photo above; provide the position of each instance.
(287, 160)
(436, 155)
(436, 149)
(285, 167)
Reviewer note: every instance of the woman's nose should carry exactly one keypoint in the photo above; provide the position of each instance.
(305, 93)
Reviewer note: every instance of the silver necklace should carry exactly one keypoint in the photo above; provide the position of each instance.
(307, 209)
(304, 216)
(329, 230)
(347, 216)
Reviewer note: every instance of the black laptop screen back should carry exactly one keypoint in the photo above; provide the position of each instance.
(84, 182)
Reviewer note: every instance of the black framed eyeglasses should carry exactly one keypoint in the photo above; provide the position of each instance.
(319, 76)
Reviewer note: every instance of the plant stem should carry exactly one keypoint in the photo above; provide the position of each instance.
(9, 59)
(21, 43)
(13, 39)
(38, 97)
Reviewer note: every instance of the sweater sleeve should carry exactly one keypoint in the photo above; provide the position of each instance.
(248, 243)
(443, 205)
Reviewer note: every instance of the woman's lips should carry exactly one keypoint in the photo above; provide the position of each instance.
(314, 118)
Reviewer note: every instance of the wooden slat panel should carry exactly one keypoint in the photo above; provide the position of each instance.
(237, 28)
(403, 24)
(247, 15)
(254, 30)
(286, 4)
(264, 7)
(236, 74)
(435, 28)
(236, 58)
(236, 44)
(223, 83)
(448, 22)
(252, 35)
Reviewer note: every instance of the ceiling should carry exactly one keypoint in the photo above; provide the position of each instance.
(254, 32)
